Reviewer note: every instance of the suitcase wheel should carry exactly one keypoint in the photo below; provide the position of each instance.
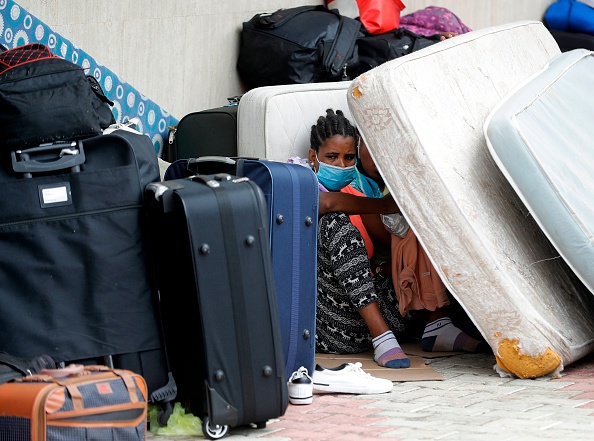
(213, 431)
(261, 425)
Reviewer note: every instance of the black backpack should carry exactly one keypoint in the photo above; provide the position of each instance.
(307, 44)
(45, 98)
(379, 48)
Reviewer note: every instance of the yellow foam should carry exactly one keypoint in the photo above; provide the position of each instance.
(510, 358)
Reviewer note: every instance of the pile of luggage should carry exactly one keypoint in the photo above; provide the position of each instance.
(140, 290)
(120, 289)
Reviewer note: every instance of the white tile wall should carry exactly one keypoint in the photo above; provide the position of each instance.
(182, 53)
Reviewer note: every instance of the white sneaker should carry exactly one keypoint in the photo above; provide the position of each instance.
(348, 378)
(300, 387)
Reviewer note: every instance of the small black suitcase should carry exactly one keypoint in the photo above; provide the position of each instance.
(208, 132)
(218, 301)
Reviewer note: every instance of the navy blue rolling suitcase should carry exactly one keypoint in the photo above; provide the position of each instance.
(292, 199)
(217, 297)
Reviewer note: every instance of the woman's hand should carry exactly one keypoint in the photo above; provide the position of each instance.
(446, 35)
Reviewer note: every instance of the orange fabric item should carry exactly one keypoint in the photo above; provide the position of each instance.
(358, 222)
(380, 16)
(99, 402)
(417, 284)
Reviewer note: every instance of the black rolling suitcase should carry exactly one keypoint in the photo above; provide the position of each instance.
(217, 299)
(74, 268)
(207, 132)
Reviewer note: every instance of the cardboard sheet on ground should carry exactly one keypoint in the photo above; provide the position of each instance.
(418, 370)
(414, 348)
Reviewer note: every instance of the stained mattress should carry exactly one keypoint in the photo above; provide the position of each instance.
(541, 138)
(274, 122)
(422, 117)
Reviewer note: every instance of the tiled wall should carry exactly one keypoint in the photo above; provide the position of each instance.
(182, 53)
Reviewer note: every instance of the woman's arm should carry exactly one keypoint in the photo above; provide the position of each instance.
(332, 202)
(376, 229)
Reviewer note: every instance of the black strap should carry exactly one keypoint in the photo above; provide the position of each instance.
(16, 363)
(343, 45)
(12, 367)
(238, 299)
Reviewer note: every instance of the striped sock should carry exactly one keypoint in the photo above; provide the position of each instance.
(442, 335)
(388, 353)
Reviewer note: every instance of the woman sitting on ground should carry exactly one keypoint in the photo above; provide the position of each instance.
(357, 311)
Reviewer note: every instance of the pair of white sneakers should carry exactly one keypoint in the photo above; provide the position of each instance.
(348, 378)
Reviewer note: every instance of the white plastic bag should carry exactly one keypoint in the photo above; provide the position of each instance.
(396, 224)
(347, 8)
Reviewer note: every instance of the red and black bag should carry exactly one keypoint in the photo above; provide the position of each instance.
(45, 98)
(95, 402)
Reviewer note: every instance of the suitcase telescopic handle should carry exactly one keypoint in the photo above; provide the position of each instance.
(67, 155)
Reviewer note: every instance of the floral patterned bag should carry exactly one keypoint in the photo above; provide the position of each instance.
(433, 20)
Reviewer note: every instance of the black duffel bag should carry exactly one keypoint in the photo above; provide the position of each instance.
(376, 49)
(307, 44)
(45, 98)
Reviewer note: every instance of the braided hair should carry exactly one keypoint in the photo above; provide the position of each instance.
(331, 125)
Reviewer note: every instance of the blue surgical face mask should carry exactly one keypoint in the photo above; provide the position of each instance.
(334, 178)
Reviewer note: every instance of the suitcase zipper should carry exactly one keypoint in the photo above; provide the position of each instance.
(69, 216)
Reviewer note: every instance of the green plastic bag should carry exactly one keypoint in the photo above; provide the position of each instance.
(180, 422)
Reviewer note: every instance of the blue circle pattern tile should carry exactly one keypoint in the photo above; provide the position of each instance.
(18, 27)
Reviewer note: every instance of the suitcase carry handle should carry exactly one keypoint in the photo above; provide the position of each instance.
(70, 370)
(223, 159)
(212, 181)
(227, 162)
(231, 160)
(69, 155)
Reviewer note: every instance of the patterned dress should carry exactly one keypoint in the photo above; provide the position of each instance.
(345, 285)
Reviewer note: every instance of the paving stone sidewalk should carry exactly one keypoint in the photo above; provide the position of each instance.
(473, 403)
